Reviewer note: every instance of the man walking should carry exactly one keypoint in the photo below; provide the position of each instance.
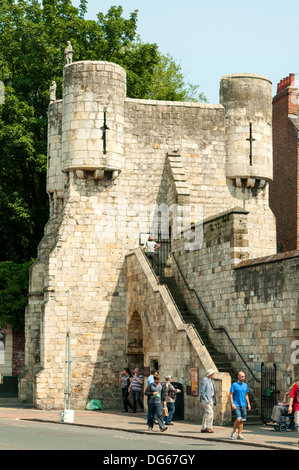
(156, 401)
(150, 379)
(208, 400)
(239, 400)
(294, 401)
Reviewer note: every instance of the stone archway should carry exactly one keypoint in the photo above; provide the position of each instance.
(135, 342)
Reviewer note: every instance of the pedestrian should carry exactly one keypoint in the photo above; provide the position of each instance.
(150, 380)
(151, 246)
(156, 402)
(136, 387)
(239, 400)
(294, 402)
(170, 397)
(125, 381)
(208, 400)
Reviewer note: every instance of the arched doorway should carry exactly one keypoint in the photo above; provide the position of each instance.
(135, 342)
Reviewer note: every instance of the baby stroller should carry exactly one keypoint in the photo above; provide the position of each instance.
(287, 421)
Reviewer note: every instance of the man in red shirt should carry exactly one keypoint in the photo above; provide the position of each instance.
(294, 399)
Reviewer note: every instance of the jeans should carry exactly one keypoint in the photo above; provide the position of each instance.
(151, 258)
(155, 409)
(171, 410)
(135, 400)
(125, 394)
(149, 413)
(241, 412)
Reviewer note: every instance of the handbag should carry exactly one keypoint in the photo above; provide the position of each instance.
(165, 411)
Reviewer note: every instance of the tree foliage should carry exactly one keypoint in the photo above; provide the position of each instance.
(13, 293)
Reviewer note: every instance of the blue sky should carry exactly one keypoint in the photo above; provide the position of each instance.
(213, 38)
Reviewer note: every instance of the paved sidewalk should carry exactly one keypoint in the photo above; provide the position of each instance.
(263, 436)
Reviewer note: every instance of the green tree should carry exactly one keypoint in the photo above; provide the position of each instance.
(13, 293)
(168, 83)
(22, 180)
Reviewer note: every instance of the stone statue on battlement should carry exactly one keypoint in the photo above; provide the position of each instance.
(53, 91)
(68, 53)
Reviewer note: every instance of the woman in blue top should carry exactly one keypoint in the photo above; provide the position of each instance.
(239, 400)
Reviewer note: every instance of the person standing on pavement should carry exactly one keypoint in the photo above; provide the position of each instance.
(170, 397)
(239, 400)
(125, 381)
(149, 381)
(156, 402)
(294, 402)
(208, 400)
(136, 387)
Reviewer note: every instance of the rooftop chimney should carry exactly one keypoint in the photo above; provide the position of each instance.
(286, 82)
(287, 93)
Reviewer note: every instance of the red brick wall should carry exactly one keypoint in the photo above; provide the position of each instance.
(297, 225)
(284, 188)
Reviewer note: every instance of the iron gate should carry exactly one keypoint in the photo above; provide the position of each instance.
(268, 391)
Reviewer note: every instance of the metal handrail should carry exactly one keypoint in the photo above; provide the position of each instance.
(220, 328)
(171, 296)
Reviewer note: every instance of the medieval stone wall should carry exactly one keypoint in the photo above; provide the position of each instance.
(101, 203)
(166, 339)
(255, 300)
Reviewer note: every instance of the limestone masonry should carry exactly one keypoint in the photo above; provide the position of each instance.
(120, 169)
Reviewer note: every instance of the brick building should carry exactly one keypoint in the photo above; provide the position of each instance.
(284, 189)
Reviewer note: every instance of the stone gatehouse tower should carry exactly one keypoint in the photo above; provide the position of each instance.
(114, 165)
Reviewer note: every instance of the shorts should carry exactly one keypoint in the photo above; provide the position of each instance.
(296, 415)
(241, 412)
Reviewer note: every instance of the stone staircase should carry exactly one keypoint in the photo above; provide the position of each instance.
(221, 361)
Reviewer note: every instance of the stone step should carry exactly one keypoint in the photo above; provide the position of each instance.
(218, 358)
(221, 361)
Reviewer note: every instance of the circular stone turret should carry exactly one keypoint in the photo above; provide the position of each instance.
(93, 117)
(247, 99)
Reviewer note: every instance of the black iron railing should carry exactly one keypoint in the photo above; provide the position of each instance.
(171, 296)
